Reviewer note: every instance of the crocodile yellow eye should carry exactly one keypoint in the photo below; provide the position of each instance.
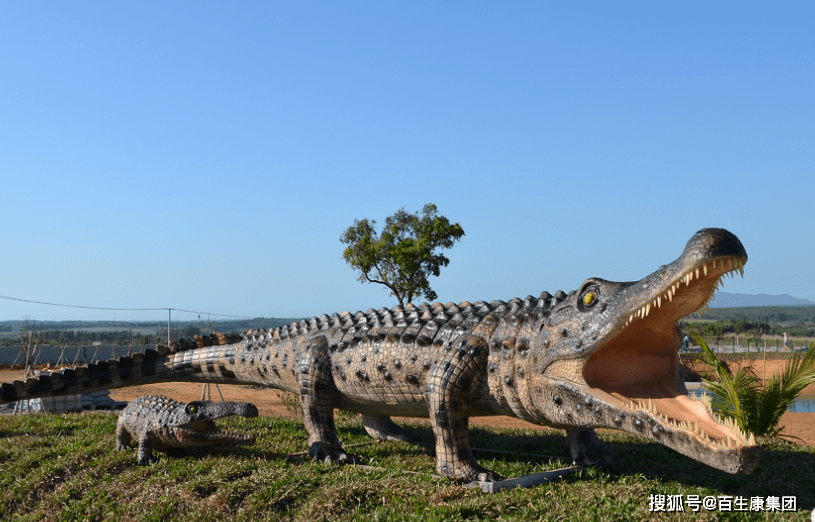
(590, 298)
(193, 409)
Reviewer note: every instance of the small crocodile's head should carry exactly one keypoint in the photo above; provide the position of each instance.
(195, 424)
(611, 350)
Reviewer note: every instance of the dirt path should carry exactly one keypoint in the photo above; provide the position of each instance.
(270, 403)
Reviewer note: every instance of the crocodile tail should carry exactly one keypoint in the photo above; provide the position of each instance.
(205, 359)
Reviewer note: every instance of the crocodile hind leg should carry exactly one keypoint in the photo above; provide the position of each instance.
(381, 427)
(317, 391)
(451, 383)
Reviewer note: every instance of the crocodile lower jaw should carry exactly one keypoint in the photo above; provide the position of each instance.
(197, 435)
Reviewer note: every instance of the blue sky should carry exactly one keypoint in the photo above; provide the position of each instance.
(208, 155)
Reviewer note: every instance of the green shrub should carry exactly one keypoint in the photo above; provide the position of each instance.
(757, 406)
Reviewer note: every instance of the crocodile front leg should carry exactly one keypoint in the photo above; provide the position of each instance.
(144, 455)
(448, 390)
(588, 450)
(317, 391)
(123, 437)
(144, 452)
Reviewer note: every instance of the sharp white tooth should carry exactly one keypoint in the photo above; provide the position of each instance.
(704, 269)
(647, 309)
(741, 271)
(697, 273)
(659, 302)
(631, 318)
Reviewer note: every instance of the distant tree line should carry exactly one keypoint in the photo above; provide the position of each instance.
(128, 337)
(729, 327)
(221, 326)
(767, 314)
(82, 337)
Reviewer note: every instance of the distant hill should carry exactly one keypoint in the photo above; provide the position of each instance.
(728, 300)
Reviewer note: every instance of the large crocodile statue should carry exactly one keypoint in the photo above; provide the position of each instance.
(155, 421)
(604, 355)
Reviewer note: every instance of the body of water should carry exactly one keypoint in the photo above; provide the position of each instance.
(803, 404)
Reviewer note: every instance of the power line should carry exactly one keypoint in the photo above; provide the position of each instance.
(122, 309)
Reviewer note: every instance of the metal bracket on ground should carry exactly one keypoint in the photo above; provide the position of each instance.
(523, 482)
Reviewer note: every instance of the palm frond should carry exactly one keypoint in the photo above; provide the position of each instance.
(756, 406)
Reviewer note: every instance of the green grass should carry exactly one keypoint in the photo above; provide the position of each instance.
(64, 468)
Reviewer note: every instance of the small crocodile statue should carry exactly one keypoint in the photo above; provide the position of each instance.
(604, 355)
(155, 421)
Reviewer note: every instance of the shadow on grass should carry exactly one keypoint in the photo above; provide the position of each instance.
(785, 469)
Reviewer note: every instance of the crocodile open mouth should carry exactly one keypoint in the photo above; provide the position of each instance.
(636, 370)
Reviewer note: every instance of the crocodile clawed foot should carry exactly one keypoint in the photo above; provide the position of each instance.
(147, 461)
(469, 473)
(488, 476)
(330, 454)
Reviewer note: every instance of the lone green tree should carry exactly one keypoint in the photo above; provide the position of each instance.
(403, 256)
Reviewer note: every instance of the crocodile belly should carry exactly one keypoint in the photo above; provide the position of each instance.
(378, 396)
